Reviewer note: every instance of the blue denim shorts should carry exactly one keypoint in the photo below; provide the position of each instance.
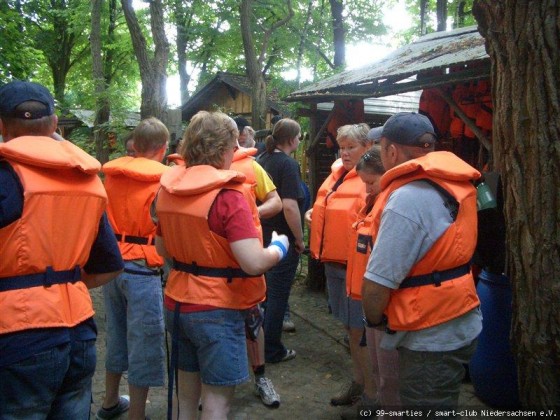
(55, 383)
(212, 343)
(135, 330)
(344, 308)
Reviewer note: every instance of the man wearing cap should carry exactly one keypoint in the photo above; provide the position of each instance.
(55, 243)
(418, 286)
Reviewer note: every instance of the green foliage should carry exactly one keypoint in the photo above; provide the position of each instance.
(33, 32)
(459, 14)
(82, 138)
(18, 58)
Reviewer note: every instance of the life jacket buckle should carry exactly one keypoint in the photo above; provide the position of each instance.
(437, 278)
(49, 277)
(195, 268)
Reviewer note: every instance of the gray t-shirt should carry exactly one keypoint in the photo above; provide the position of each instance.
(413, 220)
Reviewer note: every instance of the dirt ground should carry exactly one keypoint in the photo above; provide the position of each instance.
(305, 384)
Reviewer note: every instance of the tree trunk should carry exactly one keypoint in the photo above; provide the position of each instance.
(254, 64)
(102, 74)
(423, 16)
(183, 21)
(153, 69)
(338, 34)
(441, 13)
(522, 41)
(302, 39)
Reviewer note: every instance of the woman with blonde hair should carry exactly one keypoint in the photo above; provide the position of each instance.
(207, 225)
(336, 207)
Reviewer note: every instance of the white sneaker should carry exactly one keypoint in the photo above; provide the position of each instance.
(265, 390)
(288, 326)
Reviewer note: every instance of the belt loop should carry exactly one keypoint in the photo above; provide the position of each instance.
(195, 268)
(49, 274)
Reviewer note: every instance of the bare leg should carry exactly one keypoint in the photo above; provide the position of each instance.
(255, 350)
(216, 401)
(138, 396)
(189, 395)
(112, 381)
(388, 368)
(361, 364)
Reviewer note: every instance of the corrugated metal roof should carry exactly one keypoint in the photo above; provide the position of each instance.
(434, 59)
(386, 105)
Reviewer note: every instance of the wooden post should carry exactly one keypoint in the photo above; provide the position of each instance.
(468, 122)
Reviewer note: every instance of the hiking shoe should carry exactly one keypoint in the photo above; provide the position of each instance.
(115, 411)
(363, 408)
(348, 395)
(265, 390)
(288, 326)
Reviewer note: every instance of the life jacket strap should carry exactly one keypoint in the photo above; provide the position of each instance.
(46, 279)
(138, 240)
(437, 277)
(148, 272)
(198, 270)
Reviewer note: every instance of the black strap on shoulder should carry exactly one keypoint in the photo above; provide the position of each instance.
(198, 270)
(339, 181)
(138, 240)
(436, 278)
(449, 201)
(46, 279)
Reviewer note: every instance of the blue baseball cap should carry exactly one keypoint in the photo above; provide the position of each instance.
(407, 128)
(375, 134)
(13, 94)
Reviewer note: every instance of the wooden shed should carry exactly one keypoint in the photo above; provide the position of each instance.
(445, 66)
(451, 69)
(230, 93)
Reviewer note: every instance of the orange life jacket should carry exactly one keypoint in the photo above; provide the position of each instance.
(440, 300)
(42, 252)
(333, 214)
(345, 111)
(361, 243)
(243, 162)
(131, 185)
(205, 270)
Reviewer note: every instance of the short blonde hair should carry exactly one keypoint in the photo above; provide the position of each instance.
(206, 139)
(150, 134)
(354, 132)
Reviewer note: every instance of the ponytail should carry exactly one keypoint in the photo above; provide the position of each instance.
(270, 143)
